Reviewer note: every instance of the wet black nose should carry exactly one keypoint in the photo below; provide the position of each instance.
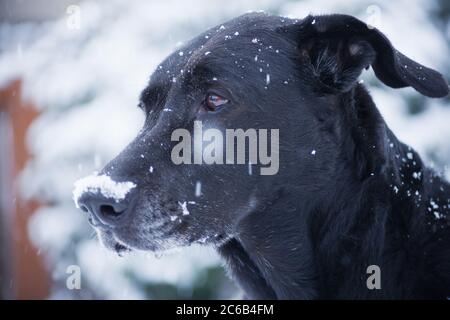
(104, 210)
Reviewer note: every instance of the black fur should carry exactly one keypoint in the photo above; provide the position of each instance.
(309, 232)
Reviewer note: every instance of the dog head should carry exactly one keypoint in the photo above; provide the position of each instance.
(256, 72)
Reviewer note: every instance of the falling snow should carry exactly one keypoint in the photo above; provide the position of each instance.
(198, 189)
(183, 206)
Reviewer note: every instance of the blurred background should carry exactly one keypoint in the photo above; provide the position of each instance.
(70, 76)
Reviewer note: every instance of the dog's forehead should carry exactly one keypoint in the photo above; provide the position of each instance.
(242, 38)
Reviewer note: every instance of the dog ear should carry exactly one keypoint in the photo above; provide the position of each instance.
(339, 47)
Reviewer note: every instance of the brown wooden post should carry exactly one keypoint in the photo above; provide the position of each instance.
(29, 278)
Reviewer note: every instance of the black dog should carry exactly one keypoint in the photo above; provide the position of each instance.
(347, 195)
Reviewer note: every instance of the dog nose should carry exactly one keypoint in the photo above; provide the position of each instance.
(107, 211)
(106, 200)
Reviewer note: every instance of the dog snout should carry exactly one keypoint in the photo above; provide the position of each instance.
(103, 210)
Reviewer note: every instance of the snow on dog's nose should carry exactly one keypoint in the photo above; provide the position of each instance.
(106, 200)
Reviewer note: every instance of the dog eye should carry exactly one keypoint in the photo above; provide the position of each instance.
(214, 102)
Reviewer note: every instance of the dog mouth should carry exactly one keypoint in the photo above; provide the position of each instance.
(123, 242)
(110, 241)
(121, 249)
(127, 240)
(158, 234)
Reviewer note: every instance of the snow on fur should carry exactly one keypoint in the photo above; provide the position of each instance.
(103, 184)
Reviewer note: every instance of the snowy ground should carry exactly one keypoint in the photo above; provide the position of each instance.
(87, 82)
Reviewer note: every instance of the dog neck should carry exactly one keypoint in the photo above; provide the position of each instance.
(267, 263)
